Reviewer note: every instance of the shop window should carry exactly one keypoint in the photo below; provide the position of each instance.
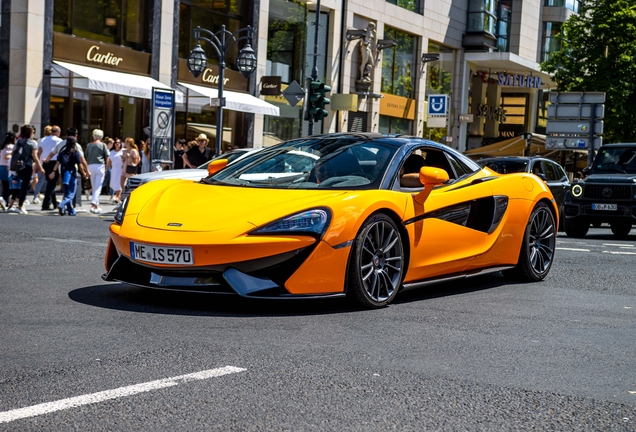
(551, 41)
(504, 13)
(120, 22)
(357, 121)
(412, 5)
(570, 4)
(482, 16)
(211, 15)
(398, 64)
(394, 125)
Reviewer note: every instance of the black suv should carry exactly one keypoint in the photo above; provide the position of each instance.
(608, 193)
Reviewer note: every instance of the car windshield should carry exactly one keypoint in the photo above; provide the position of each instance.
(505, 166)
(310, 163)
(231, 156)
(616, 160)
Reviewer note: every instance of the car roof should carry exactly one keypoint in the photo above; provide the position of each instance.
(397, 140)
(620, 145)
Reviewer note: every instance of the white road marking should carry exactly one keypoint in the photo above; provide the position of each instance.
(617, 244)
(74, 241)
(620, 253)
(49, 407)
(573, 249)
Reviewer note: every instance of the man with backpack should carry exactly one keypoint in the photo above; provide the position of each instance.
(23, 158)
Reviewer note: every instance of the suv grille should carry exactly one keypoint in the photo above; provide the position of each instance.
(618, 192)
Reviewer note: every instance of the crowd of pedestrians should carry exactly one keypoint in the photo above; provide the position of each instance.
(102, 167)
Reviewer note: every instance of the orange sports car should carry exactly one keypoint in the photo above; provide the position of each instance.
(349, 214)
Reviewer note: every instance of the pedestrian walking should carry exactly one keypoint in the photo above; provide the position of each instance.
(198, 155)
(131, 160)
(69, 162)
(144, 152)
(106, 189)
(47, 144)
(96, 158)
(24, 162)
(115, 164)
(72, 132)
(5, 157)
(179, 150)
(39, 179)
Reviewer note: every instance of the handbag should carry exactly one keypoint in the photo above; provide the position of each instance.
(18, 161)
(131, 169)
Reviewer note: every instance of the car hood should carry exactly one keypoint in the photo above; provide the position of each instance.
(186, 174)
(203, 207)
(611, 178)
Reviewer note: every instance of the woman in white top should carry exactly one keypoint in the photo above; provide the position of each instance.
(115, 163)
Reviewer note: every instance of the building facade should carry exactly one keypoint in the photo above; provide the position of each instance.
(381, 58)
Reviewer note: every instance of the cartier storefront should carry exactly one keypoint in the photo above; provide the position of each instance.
(98, 85)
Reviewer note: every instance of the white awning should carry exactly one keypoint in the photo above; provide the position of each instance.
(117, 82)
(236, 101)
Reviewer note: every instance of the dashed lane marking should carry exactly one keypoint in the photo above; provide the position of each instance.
(618, 244)
(74, 241)
(620, 253)
(63, 404)
(573, 249)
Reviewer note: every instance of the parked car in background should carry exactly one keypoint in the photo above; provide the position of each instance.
(133, 183)
(548, 170)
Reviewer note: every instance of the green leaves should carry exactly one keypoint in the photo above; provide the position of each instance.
(598, 53)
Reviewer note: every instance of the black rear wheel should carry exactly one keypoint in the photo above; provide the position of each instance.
(537, 250)
(376, 266)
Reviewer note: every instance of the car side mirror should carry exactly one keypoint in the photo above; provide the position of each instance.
(430, 177)
(585, 171)
(216, 166)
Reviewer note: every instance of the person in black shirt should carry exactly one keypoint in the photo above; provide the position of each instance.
(178, 153)
(198, 155)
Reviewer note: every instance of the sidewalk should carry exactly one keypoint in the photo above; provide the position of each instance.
(108, 208)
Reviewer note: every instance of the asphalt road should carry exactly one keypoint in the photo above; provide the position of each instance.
(482, 354)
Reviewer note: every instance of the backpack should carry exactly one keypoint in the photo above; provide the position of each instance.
(18, 157)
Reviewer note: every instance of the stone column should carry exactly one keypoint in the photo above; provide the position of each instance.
(478, 91)
(26, 63)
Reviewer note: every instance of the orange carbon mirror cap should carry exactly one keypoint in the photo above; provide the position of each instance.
(216, 165)
(432, 176)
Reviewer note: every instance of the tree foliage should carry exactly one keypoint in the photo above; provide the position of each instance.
(598, 53)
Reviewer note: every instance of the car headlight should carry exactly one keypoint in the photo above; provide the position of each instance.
(577, 191)
(313, 222)
(121, 211)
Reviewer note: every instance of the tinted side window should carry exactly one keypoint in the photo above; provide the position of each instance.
(460, 168)
(561, 175)
(550, 173)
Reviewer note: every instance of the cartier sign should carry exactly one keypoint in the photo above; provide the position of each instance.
(93, 55)
(97, 54)
(232, 80)
(270, 85)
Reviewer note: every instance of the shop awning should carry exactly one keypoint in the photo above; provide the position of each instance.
(117, 82)
(510, 147)
(234, 100)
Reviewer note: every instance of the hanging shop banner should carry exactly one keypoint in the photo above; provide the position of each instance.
(162, 126)
(270, 85)
(397, 106)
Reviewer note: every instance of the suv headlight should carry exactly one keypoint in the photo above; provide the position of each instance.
(313, 222)
(121, 211)
(577, 190)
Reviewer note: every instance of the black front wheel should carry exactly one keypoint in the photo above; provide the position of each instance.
(376, 266)
(621, 229)
(576, 228)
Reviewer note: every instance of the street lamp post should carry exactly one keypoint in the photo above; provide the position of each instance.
(222, 41)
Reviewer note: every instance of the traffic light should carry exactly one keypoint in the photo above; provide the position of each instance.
(317, 100)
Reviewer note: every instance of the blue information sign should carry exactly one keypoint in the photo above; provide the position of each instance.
(437, 105)
(164, 100)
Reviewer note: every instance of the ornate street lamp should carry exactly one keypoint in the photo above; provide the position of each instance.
(222, 41)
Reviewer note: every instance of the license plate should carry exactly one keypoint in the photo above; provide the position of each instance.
(161, 254)
(608, 207)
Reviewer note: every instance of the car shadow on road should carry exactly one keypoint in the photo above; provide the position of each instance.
(455, 288)
(134, 299)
